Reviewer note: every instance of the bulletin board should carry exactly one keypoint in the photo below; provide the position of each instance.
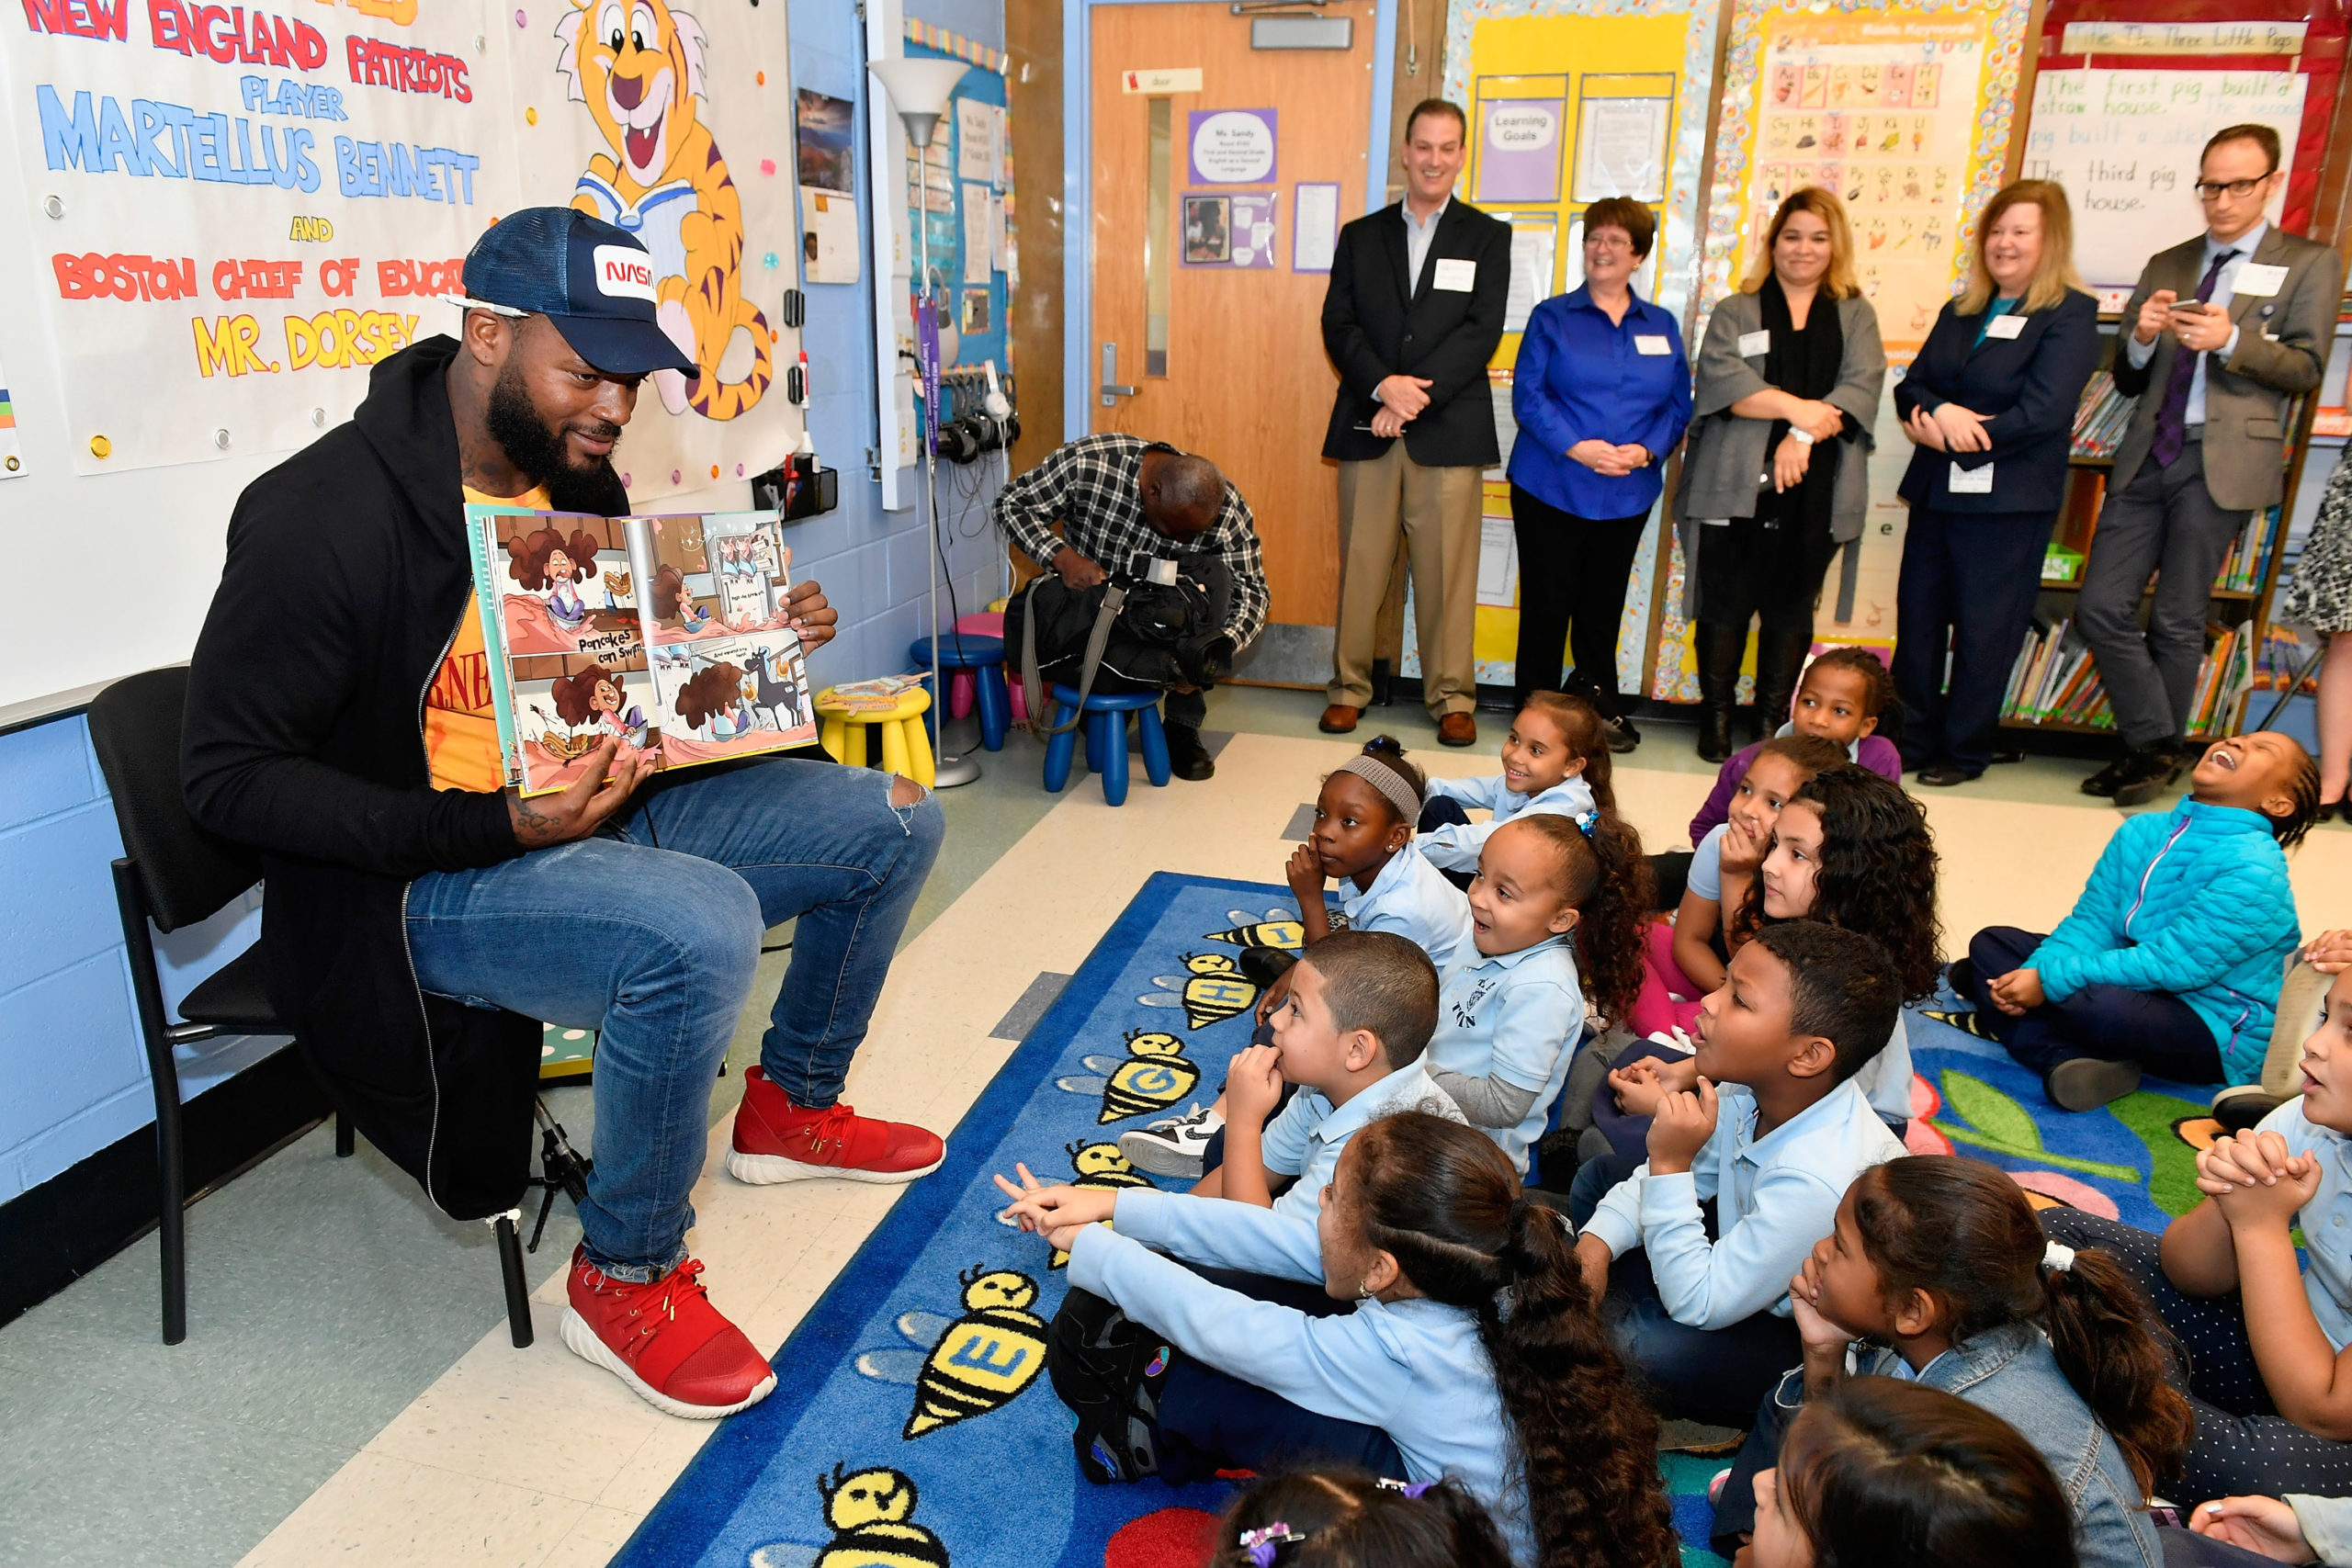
(1907, 110)
(967, 193)
(1547, 138)
(2127, 97)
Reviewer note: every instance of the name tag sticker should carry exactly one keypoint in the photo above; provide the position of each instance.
(2004, 326)
(1455, 275)
(1971, 481)
(1652, 343)
(2257, 280)
(1754, 343)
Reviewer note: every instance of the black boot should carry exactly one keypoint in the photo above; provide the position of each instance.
(1779, 657)
(1718, 649)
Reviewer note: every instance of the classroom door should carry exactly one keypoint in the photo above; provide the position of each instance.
(1205, 331)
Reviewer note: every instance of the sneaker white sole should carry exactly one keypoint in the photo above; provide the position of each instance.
(582, 1341)
(1157, 1158)
(766, 1170)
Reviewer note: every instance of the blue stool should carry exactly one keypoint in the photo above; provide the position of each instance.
(984, 656)
(1106, 740)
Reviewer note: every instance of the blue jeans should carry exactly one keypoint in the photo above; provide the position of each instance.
(650, 932)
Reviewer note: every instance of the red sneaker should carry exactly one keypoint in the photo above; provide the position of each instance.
(666, 1340)
(778, 1140)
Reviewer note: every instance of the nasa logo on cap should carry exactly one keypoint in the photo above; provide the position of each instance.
(624, 272)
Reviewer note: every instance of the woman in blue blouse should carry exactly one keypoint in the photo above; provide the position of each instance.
(1990, 406)
(1601, 391)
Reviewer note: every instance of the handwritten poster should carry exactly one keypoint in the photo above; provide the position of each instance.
(1620, 147)
(2125, 145)
(239, 211)
(1314, 227)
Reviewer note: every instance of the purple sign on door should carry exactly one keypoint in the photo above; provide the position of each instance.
(1231, 147)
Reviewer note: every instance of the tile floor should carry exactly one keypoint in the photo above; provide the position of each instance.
(347, 1388)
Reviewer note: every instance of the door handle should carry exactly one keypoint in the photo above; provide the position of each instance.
(1112, 390)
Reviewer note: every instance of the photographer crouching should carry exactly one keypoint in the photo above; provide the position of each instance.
(1129, 508)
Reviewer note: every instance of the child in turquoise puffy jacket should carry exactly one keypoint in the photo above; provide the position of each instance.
(2172, 959)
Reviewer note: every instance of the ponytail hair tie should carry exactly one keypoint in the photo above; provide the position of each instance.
(1260, 1545)
(1408, 1488)
(2057, 1258)
(1586, 821)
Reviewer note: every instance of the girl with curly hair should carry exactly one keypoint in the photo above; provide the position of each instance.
(1880, 1471)
(1456, 1338)
(714, 696)
(1851, 849)
(2172, 958)
(546, 561)
(595, 695)
(1939, 1263)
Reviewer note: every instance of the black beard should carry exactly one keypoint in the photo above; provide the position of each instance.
(540, 452)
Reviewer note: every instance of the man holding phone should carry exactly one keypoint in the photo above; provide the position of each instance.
(2223, 330)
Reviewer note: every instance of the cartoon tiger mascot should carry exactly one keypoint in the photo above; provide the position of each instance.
(638, 64)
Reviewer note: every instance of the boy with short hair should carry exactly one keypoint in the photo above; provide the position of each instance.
(1361, 1010)
(1803, 1006)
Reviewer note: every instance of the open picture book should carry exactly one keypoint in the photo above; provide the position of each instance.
(668, 633)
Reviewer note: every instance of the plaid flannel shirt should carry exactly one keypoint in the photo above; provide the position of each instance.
(1091, 487)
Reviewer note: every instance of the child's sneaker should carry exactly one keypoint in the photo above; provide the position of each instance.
(778, 1140)
(666, 1340)
(1175, 1146)
(1108, 1370)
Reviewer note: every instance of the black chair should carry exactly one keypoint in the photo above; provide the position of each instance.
(174, 874)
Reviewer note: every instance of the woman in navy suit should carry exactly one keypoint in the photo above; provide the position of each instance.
(1990, 406)
(1601, 391)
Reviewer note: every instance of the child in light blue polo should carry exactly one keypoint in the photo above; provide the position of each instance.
(1555, 761)
(1511, 1012)
(1349, 1035)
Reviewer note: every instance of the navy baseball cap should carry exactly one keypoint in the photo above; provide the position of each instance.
(594, 281)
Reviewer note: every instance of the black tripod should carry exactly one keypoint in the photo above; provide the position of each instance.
(562, 1168)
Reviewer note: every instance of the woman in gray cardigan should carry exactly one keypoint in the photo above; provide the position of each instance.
(1776, 476)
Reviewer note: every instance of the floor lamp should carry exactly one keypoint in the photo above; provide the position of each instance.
(918, 90)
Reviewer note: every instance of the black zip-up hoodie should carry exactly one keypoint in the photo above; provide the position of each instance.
(347, 579)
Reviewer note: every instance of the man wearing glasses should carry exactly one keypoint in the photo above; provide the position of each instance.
(2224, 328)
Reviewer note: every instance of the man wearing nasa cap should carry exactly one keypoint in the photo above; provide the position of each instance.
(422, 921)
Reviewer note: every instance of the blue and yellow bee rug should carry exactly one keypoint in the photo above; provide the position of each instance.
(913, 1426)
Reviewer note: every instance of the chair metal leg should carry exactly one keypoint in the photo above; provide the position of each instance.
(510, 1266)
(346, 1136)
(163, 1075)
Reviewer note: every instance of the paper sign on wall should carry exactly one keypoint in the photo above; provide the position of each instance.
(1161, 83)
(975, 141)
(1519, 151)
(829, 236)
(978, 250)
(1314, 227)
(1231, 147)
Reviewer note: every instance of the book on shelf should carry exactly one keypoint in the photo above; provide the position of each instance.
(2055, 681)
(2101, 418)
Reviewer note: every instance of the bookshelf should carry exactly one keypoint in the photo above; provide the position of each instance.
(2053, 685)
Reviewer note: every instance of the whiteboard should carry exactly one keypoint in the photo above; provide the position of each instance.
(2125, 145)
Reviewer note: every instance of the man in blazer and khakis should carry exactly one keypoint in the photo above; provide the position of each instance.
(1413, 313)
(2223, 330)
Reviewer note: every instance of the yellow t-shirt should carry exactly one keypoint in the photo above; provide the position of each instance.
(460, 725)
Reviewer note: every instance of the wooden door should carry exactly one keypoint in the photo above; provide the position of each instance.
(1243, 380)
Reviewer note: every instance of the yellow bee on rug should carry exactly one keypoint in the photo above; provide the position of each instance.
(1103, 1168)
(1214, 990)
(1155, 1076)
(870, 1514)
(1279, 928)
(976, 1363)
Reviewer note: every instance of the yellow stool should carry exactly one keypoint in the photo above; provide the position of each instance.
(905, 749)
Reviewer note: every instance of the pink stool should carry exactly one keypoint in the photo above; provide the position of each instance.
(983, 622)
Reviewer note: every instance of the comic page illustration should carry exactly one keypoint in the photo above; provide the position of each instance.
(565, 704)
(729, 697)
(564, 584)
(716, 574)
